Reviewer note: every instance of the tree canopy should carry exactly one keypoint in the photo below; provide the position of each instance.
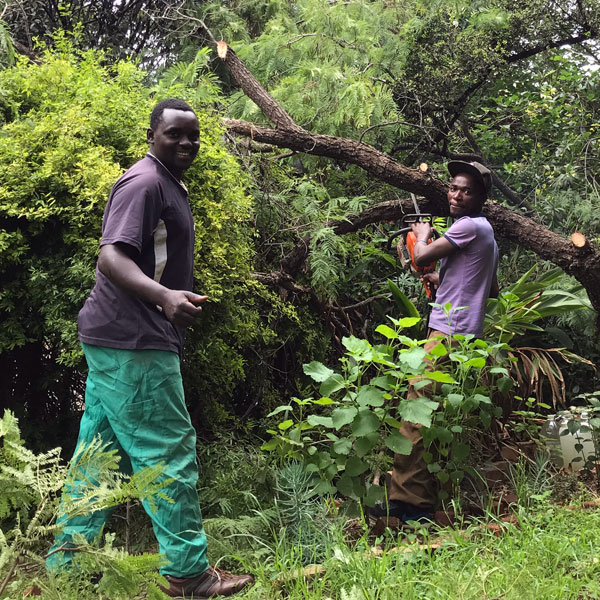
(329, 108)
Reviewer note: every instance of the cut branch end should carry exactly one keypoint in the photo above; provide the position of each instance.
(579, 241)
(222, 49)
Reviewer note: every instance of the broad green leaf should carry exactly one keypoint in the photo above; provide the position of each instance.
(457, 476)
(485, 418)
(439, 350)
(325, 401)
(370, 396)
(355, 466)
(385, 382)
(460, 452)
(317, 371)
(478, 363)
(398, 443)
(324, 488)
(270, 445)
(332, 384)
(413, 357)
(279, 409)
(455, 400)
(387, 332)
(342, 446)
(499, 370)
(365, 422)
(285, 424)
(359, 349)
(481, 399)
(375, 494)
(408, 322)
(439, 376)
(442, 476)
(392, 422)
(505, 384)
(343, 415)
(345, 485)
(316, 420)
(418, 410)
(359, 488)
(366, 443)
(441, 433)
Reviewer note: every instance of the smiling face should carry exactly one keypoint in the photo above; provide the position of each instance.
(465, 195)
(176, 140)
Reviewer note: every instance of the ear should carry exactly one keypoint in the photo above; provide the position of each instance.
(150, 135)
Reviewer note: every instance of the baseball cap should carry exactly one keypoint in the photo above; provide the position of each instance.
(481, 173)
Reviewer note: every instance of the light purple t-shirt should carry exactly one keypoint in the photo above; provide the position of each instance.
(466, 276)
(148, 210)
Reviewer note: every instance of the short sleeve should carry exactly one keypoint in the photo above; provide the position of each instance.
(462, 232)
(132, 213)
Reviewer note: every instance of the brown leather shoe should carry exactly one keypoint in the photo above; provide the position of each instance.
(213, 582)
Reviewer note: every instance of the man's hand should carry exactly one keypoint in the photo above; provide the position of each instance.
(180, 307)
(116, 262)
(433, 279)
(422, 230)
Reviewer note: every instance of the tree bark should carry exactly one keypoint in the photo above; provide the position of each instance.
(584, 264)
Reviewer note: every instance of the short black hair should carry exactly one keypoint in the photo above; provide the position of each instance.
(175, 103)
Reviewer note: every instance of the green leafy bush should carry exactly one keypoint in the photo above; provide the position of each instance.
(70, 126)
(346, 434)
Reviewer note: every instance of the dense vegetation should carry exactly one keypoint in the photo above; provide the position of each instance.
(291, 251)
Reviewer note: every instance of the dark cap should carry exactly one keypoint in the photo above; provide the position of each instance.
(481, 173)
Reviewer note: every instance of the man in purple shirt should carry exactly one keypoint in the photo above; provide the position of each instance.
(132, 329)
(467, 278)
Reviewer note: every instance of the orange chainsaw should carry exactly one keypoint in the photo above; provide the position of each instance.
(406, 246)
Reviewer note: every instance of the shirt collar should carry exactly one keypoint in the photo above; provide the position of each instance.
(150, 155)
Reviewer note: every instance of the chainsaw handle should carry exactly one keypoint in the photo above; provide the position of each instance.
(407, 219)
(395, 234)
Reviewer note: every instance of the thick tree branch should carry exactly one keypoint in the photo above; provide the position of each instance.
(584, 264)
(376, 163)
(254, 90)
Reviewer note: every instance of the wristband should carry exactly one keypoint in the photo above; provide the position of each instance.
(422, 242)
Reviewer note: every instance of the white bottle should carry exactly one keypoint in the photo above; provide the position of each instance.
(577, 447)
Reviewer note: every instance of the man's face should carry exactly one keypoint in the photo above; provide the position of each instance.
(465, 196)
(176, 140)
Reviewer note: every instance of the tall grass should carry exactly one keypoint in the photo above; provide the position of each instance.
(553, 553)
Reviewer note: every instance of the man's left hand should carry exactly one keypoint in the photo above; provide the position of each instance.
(422, 230)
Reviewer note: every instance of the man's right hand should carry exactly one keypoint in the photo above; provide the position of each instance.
(180, 307)
(432, 278)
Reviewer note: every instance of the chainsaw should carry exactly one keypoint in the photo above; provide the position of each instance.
(406, 246)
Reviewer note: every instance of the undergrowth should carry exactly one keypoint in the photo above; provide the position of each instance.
(546, 551)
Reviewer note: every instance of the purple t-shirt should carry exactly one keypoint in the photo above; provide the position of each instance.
(466, 276)
(147, 209)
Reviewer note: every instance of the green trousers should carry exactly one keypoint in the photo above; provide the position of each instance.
(134, 401)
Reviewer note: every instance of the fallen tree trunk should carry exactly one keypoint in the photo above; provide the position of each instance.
(583, 263)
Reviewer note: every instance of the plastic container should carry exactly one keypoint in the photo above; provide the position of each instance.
(568, 437)
(550, 433)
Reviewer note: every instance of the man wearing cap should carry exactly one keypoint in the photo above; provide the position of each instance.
(467, 278)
